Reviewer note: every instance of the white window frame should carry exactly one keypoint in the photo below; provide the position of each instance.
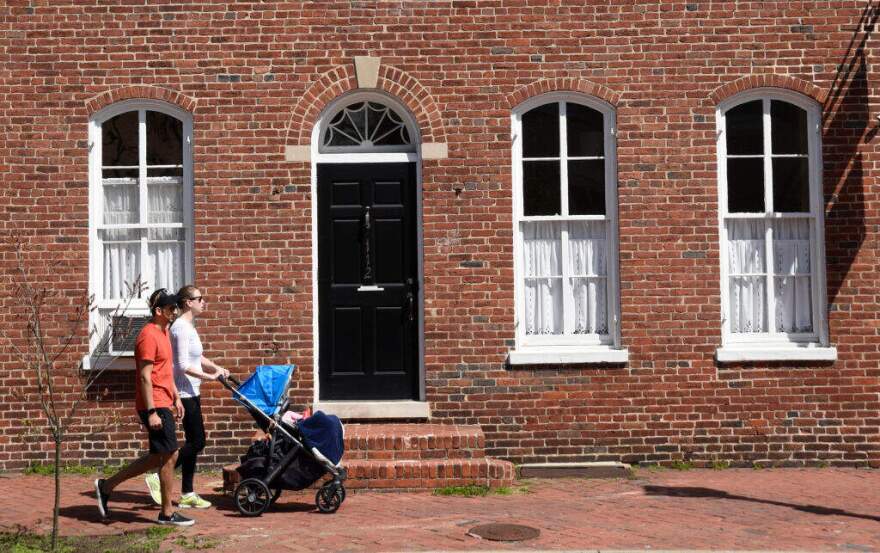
(773, 345)
(138, 306)
(588, 348)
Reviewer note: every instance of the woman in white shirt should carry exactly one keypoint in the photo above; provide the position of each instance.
(191, 367)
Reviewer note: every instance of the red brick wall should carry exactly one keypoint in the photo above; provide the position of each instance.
(255, 74)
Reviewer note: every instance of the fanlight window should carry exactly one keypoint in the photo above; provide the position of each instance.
(367, 126)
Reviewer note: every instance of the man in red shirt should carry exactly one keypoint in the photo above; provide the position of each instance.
(155, 397)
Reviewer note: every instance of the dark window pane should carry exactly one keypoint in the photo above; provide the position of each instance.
(585, 130)
(165, 172)
(791, 184)
(164, 139)
(540, 128)
(788, 125)
(120, 140)
(745, 131)
(586, 187)
(541, 188)
(120, 173)
(745, 185)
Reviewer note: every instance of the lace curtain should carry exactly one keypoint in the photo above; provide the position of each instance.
(585, 276)
(792, 310)
(164, 266)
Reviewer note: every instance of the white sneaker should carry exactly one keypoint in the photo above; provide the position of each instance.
(193, 501)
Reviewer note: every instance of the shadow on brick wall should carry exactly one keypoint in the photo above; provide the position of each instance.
(847, 123)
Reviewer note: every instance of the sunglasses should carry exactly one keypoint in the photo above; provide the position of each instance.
(198, 298)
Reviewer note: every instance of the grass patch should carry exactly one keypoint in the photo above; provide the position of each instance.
(145, 541)
(506, 490)
(473, 490)
(196, 542)
(757, 466)
(477, 490)
(681, 465)
(652, 467)
(720, 465)
(48, 469)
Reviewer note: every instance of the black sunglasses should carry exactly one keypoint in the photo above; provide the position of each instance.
(197, 298)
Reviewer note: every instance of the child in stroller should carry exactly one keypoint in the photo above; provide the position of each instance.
(295, 455)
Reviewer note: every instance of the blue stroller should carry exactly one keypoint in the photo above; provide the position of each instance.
(295, 456)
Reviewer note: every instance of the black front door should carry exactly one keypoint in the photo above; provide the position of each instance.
(368, 315)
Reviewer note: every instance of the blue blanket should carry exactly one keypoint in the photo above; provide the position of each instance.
(323, 432)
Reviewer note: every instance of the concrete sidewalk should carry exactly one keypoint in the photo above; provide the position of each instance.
(735, 509)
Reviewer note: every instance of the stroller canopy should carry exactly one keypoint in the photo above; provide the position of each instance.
(265, 388)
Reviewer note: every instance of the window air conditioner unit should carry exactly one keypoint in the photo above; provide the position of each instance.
(123, 333)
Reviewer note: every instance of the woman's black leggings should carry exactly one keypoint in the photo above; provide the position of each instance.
(194, 430)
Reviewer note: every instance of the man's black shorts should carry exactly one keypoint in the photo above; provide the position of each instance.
(163, 440)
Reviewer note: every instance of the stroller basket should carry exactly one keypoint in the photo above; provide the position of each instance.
(295, 456)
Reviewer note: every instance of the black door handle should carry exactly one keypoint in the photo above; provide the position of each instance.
(411, 306)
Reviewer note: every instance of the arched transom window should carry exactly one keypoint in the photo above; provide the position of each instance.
(367, 126)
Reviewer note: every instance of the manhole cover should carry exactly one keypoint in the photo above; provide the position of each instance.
(504, 532)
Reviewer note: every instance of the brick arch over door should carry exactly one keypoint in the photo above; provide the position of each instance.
(142, 92)
(562, 84)
(342, 79)
(786, 82)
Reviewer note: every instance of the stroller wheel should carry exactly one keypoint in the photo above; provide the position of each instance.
(329, 498)
(252, 497)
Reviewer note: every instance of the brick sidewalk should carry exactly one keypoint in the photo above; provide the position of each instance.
(788, 509)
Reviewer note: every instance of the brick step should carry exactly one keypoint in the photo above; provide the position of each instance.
(385, 442)
(428, 474)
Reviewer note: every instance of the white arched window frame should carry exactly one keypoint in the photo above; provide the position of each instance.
(156, 233)
(772, 335)
(567, 344)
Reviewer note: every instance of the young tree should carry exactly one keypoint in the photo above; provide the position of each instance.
(48, 355)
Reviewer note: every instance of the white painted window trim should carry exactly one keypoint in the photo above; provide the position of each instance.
(362, 156)
(589, 348)
(137, 307)
(772, 345)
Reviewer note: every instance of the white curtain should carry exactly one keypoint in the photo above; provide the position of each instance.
(165, 200)
(542, 246)
(791, 267)
(165, 250)
(164, 267)
(122, 261)
(748, 279)
(586, 242)
(120, 202)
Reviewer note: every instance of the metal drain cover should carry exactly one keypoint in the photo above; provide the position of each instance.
(504, 532)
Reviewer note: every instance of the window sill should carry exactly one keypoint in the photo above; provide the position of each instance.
(789, 352)
(567, 355)
(108, 363)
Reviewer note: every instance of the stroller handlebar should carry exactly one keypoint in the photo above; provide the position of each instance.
(225, 380)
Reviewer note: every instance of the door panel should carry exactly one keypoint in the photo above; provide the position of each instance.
(367, 281)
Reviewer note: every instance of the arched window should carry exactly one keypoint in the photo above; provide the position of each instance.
(772, 253)
(565, 217)
(140, 210)
(367, 124)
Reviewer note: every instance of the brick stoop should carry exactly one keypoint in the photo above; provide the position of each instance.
(420, 456)
(415, 457)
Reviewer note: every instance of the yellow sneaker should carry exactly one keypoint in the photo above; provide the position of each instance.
(152, 480)
(193, 501)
